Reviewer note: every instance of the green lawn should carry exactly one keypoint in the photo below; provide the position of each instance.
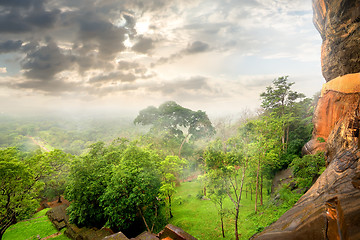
(200, 218)
(38, 226)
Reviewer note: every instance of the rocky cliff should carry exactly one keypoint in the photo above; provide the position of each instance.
(331, 207)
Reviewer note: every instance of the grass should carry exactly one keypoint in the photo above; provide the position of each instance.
(200, 218)
(38, 226)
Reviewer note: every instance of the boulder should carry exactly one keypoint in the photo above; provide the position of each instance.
(171, 232)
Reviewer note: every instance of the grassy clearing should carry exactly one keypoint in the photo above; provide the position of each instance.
(200, 219)
(38, 226)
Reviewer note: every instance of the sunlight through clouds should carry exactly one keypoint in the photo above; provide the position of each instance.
(104, 50)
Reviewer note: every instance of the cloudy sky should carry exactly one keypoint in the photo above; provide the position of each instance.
(123, 55)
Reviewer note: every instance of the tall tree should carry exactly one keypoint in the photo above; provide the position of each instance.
(266, 148)
(176, 122)
(231, 168)
(217, 190)
(279, 99)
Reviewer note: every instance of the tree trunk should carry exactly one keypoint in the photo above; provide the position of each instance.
(171, 216)
(261, 191)
(182, 144)
(222, 227)
(156, 214)
(236, 223)
(250, 192)
(222, 218)
(205, 190)
(7, 221)
(246, 190)
(287, 136)
(257, 185)
(143, 218)
(59, 199)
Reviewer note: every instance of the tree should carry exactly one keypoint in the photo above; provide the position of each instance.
(89, 176)
(231, 168)
(114, 185)
(176, 122)
(280, 99)
(133, 189)
(56, 180)
(266, 148)
(19, 187)
(217, 190)
(170, 169)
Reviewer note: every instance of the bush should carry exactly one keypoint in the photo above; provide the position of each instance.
(307, 169)
(288, 197)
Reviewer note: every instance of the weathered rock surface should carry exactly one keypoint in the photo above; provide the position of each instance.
(172, 232)
(338, 22)
(331, 207)
(331, 109)
(60, 219)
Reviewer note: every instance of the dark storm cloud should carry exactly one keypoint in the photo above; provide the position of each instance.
(144, 45)
(23, 16)
(108, 38)
(21, 3)
(46, 62)
(10, 46)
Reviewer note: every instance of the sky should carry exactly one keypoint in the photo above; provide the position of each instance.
(124, 55)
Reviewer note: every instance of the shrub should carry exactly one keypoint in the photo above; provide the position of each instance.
(307, 169)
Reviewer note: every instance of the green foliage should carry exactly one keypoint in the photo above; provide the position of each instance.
(175, 124)
(308, 168)
(200, 218)
(114, 185)
(19, 185)
(70, 134)
(287, 196)
(279, 97)
(56, 180)
(88, 179)
(320, 139)
(295, 113)
(133, 188)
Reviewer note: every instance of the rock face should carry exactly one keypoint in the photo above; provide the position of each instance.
(338, 22)
(331, 207)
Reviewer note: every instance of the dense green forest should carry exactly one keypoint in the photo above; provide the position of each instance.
(124, 173)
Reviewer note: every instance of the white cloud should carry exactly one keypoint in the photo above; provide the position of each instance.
(109, 50)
